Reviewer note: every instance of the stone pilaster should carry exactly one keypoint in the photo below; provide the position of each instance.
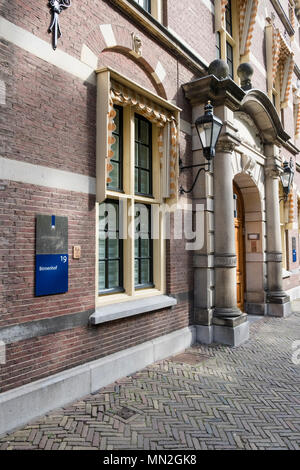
(278, 302)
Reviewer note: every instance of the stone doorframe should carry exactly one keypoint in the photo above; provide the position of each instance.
(248, 175)
(216, 314)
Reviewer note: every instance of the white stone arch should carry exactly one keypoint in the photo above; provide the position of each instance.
(248, 175)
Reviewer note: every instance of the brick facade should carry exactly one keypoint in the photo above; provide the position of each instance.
(49, 120)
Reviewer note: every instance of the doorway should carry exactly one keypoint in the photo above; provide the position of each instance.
(239, 229)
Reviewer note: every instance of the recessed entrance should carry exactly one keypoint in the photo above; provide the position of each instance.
(239, 227)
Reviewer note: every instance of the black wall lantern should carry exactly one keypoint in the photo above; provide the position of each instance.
(287, 177)
(208, 128)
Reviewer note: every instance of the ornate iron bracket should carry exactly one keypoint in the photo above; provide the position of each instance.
(202, 167)
(57, 6)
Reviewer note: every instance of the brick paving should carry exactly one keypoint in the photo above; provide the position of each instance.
(213, 397)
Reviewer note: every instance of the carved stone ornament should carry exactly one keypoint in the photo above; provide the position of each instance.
(57, 6)
(248, 164)
(136, 44)
(248, 131)
(226, 146)
(273, 171)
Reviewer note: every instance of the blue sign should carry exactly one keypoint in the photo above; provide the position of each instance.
(51, 274)
(294, 256)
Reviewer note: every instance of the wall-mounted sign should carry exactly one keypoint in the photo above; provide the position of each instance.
(51, 260)
(294, 248)
(253, 236)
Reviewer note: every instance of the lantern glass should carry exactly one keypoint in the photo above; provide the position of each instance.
(205, 133)
(287, 177)
(217, 126)
(208, 128)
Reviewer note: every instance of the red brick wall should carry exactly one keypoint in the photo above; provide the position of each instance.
(39, 357)
(19, 205)
(50, 119)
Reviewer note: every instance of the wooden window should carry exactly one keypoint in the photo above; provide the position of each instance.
(146, 4)
(228, 18)
(218, 45)
(116, 174)
(110, 249)
(229, 58)
(143, 260)
(143, 156)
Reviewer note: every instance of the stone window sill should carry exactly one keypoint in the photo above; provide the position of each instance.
(129, 309)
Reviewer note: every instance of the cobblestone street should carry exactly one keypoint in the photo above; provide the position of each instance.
(210, 397)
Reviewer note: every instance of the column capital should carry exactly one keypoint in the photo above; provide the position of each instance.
(273, 171)
(226, 145)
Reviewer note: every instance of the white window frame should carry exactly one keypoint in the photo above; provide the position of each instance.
(104, 77)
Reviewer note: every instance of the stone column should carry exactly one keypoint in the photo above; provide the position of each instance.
(278, 302)
(230, 324)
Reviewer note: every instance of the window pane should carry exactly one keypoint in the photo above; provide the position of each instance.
(117, 148)
(146, 4)
(218, 45)
(229, 52)
(136, 248)
(228, 18)
(114, 176)
(145, 247)
(102, 275)
(136, 180)
(113, 248)
(136, 272)
(110, 248)
(145, 271)
(113, 274)
(145, 186)
(145, 133)
(101, 248)
(117, 120)
(144, 157)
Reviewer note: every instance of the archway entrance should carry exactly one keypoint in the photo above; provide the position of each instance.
(239, 227)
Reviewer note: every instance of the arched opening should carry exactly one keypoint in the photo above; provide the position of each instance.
(239, 229)
(250, 245)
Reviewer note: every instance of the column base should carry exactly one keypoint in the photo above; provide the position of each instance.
(255, 308)
(231, 312)
(279, 310)
(278, 304)
(229, 331)
(204, 334)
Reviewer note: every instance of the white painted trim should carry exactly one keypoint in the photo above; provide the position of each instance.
(209, 5)
(28, 402)
(15, 170)
(43, 50)
(108, 35)
(258, 65)
(88, 57)
(160, 72)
